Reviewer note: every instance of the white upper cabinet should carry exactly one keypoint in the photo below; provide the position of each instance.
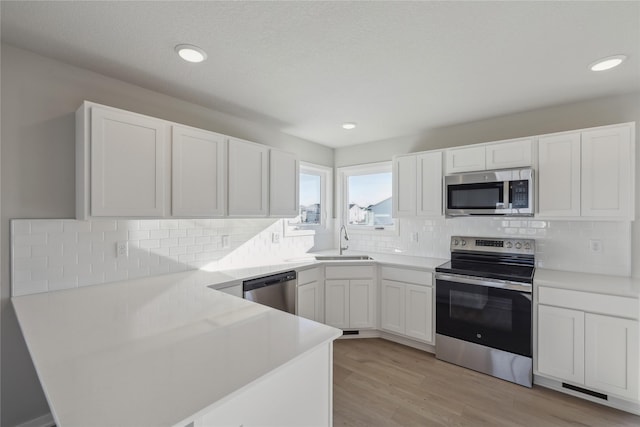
(429, 184)
(198, 173)
(248, 178)
(607, 177)
(404, 186)
(121, 163)
(587, 173)
(505, 155)
(417, 185)
(133, 166)
(495, 155)
(284, 178)
(466, 159)
(559, 175)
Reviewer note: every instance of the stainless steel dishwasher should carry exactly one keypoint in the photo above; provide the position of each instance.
(277, 291)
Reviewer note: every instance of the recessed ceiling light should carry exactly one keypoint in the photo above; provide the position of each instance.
(191, 53)
(607, 63)
(348, 125)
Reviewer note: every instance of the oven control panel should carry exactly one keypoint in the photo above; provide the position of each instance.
(493, 244)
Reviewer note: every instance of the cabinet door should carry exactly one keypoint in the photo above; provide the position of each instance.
(198, 173)
(393, 297)
(511, 154)
(337, 303)
(248, 178)
(611, 355)
(561, 343)
(606, 172)
(284, 178)
(419, 312)
(466, 159)
(404, 186)
(310, 297)
(128, 168)
(429, 182)
(362, 303)
(559, 175)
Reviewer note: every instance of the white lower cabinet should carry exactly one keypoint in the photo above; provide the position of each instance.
(310, 295)
(597, 351)
(350, 297)
(611, 354)
(561, 343)
(407, 303)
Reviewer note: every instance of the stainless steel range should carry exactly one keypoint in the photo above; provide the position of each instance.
(484, 305)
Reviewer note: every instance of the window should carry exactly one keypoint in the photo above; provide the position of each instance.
(315, 196)
(366, 196)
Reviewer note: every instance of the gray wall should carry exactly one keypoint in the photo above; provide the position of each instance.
(39, 98)
(596, 112)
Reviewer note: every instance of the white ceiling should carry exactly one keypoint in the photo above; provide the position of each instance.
(395, 68)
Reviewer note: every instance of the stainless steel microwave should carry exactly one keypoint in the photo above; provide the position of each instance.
(501, 192)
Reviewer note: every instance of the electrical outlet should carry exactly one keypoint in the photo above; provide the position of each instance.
(225, 241)
(122, 249)
(275, 237)
(595, 245)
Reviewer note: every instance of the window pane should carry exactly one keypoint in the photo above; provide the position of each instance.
(310, 204)
(370, 199)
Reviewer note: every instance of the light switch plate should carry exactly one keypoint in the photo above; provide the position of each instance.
(275, 237)
(225, 241)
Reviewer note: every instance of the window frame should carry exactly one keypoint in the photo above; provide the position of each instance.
(326, 201)
(343, 174)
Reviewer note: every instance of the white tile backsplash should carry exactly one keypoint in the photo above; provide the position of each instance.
(61, 254)
(560, 245)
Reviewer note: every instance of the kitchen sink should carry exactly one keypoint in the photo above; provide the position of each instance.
(343, 257)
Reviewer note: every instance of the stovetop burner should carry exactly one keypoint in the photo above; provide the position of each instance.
(492, 258)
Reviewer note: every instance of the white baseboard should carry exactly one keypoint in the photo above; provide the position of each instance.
(43, 421)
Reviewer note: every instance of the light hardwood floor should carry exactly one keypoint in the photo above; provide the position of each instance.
(380, 383)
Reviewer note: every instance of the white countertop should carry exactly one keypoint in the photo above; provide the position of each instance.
(155, 351)
(588, 282)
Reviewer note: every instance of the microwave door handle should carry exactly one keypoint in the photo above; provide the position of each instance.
(505, 193)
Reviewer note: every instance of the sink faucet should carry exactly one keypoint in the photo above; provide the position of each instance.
(346, 237)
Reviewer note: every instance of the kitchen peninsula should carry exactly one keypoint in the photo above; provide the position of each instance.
(169, 350)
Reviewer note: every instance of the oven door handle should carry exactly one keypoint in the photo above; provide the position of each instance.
(492, 283)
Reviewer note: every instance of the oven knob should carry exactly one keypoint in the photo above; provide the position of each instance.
(518, 245)
(464, 242)
(478, 335)
(527, 246)
(509, 245)
(455, 242)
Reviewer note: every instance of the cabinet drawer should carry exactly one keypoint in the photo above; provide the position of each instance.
(594, 303)
(417, 277)
(308, 276)
(349, 272)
